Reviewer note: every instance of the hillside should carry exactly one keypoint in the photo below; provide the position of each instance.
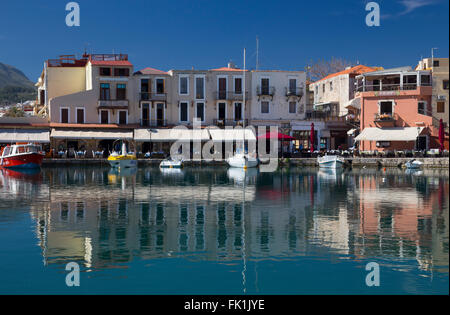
(14, 85)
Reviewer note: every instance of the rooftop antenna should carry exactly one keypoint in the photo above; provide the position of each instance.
(432, 58)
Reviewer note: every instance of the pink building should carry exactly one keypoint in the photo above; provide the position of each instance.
(396, 111)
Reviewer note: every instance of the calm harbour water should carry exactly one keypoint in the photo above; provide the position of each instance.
(224, 231)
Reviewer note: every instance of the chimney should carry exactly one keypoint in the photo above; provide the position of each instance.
(231, 65)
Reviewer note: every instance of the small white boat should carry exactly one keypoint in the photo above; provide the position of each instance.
(171, 163)
(330, 161)
(242, 160)
(413, 164)
(122, 159)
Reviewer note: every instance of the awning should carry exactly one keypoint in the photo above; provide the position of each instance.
(163, 135)
(24, 135)
(355, 103)
(390, 134)
(84, 134)
(351, 132)
(224, 135)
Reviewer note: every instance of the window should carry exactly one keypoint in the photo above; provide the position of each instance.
(435, 63)
(184, 86)
(200, 111)
(105, 72)
(104, 92)
(145, 121)
(123, 117)
(237, 111)
(425, 80)
(145, 89)
(421, 108)
(159, 86)
(64, 115)
(200, 88)
(121, 92)
(292, 107)
(264, 107)
(440, 107)
(184, 111)
(104, 117)
(80, 115)
(331, 86)
(386, 107)
(301, 109)
(445, 84)
(323, 88)
(121, 72)
(237, 85)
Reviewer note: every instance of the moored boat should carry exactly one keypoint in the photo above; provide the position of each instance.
(330, 161)
(171, 163)
(242, 160)
(413, 164)
(26, 156)
(122, 159)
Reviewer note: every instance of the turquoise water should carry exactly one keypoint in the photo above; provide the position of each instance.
(220, 231)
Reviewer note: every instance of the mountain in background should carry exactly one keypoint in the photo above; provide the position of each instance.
(14, 85)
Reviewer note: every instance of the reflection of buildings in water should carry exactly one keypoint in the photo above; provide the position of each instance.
(356, 215)
(403, 222)
(23, 183)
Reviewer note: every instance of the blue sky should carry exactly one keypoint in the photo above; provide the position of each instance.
(207, 34)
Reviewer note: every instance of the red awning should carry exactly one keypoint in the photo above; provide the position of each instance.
(275, 135)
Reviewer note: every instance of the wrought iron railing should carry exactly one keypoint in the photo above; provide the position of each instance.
(153, 123)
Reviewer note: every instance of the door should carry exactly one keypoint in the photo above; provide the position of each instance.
(421, 143)
(145, 114)
(222, 110)
(160, 114)
(222, 89)
(237, 111)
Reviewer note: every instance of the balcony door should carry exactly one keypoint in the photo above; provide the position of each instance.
(237, 111)
(292, 86)
(265, 86)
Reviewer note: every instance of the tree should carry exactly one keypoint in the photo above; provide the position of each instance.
(15, 112)
(321, 68)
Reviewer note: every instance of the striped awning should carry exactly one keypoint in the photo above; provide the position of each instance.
(169, 135)
(236, 134)
(390, 134)
(24, 135)
(85, 134)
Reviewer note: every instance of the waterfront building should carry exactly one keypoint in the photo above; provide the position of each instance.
(440, 98)
(396, 110)
(335, 104)
(88, 101)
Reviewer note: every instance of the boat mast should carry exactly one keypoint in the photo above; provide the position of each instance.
(243, 142)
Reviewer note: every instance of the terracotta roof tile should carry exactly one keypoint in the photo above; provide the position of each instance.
(360, 69)
(149, 70)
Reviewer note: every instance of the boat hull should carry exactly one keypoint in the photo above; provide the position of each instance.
(413, 166)
(23, 161)
(331, 164)
(171, 164)
(241, 162)
(124, 163)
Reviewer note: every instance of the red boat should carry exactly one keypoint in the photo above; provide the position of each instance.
(21, 156)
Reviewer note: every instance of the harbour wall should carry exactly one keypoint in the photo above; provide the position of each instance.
(441, 162)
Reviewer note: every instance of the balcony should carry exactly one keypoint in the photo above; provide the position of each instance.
(114, 104)
(147, 96)
(295, 91)
(153, 123)
(389, 87)
(384, 117)
(230, 96)
(229, 122)
(265, 90)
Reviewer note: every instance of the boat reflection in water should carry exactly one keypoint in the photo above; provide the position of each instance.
(276, 221)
